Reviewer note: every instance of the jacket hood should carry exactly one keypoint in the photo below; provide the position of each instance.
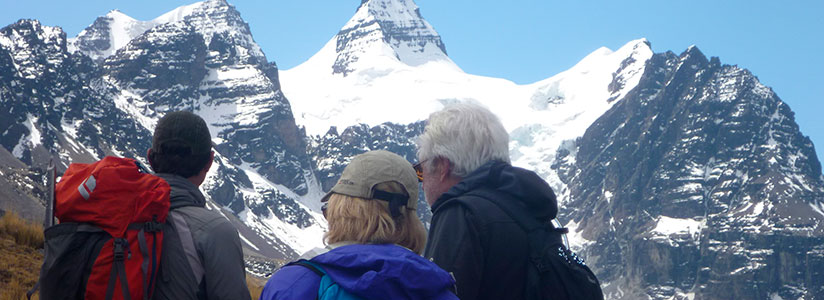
(184, 193)
(386, 272)
(523, 185)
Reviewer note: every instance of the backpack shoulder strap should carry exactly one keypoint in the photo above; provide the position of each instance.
(327, 288)
(306, 264)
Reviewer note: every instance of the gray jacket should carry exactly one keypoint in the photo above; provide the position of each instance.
(202, 256)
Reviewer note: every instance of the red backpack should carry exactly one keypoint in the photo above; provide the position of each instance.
(109, 240)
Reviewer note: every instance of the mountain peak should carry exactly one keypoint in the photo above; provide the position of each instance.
(642, 42)
(108, 33)
(115, 30)
(693, 57)
(693, 50)
(26, 32)
(116, 13)
(386, 30)
(182, 12)
(24, 23)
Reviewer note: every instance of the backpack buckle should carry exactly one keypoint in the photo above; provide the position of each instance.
(152, 226)
(120, 246)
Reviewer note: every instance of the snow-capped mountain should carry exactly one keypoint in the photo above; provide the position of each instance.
(389, 89)
(108, 34)
(115, 30)
(698, 184)
(202, 59)
(46, 105)
(678, 176)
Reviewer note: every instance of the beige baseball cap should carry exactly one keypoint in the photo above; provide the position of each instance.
(371, 168)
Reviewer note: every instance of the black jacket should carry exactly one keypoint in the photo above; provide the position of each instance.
(214, 251)
(477, 242)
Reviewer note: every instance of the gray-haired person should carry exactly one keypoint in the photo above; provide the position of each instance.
(463, 150)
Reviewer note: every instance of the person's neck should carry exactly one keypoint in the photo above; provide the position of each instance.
(198, 179)
(339, 244)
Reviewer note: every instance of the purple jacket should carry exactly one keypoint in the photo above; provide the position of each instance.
(369, 271)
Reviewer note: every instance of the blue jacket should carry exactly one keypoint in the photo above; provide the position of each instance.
(369, 271)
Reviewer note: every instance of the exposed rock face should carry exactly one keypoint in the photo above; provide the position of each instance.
(48, 111)
(699, 181)
(206, 61)
(46, 104)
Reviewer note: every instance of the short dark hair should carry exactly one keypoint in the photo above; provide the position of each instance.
(181, 144)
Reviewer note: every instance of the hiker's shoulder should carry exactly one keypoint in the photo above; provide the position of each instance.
(203, 219)
(292, 282)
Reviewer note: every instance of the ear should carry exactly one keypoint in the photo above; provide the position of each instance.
(209, 164)
(444, 169)
(149, 158)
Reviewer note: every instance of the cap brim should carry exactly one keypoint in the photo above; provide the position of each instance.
(326, 197)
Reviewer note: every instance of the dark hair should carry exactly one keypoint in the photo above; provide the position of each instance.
(178, 159)
(181, 144)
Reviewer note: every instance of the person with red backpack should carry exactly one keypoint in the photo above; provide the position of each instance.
(202, 256)
(127, 234)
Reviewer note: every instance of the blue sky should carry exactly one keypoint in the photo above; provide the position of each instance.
(529, 40)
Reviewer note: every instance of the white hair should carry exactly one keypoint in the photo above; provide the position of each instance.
(467, 134)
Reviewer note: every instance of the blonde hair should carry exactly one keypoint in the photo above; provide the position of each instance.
(368, 221)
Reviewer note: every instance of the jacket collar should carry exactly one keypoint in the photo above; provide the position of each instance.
(184, 193)
(520, 184)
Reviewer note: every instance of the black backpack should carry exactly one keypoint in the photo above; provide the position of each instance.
(554, 271)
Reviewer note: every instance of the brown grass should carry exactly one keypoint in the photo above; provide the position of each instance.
(19, 269)
(20, 261)
(255, 286)
(21, 231)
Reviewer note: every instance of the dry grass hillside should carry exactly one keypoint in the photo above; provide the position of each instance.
(19, 259)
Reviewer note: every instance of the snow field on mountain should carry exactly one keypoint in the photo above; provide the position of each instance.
(132, 104)
(70, 128)
(28, 141)
(385, 85)
(576, 241)
(667, 226)
(271, 228)
(539, 116)
(221, 113)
